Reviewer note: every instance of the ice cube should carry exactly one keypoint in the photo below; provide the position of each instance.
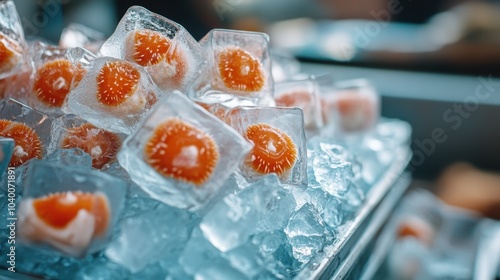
(29, 128)
(77, 35)
(114, 95)
(198, 253)
(263, 206)
(6, 151)
(306, 233)
(238, 63)
(172, 57)
(70, 131)
(181, 155)
(284, 66)
(353, 107)
(150, 237)
(279, 142)
(70, 157)
(91, 200)
(219, 269)
(303, 94)
(12, 43)
(56, 72)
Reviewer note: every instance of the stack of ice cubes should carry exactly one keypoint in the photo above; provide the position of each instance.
(166, 158)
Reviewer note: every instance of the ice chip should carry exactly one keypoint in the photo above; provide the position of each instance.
(238, 64)
(263, 206)
(69, 208)
(150, 237)
(114, 95)
(168, 52)
(279, 142)
(181, 155)
(306, 233)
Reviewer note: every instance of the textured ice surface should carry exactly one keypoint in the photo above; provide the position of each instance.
(306, 233)
(159, 234)
(70, 157)
(262, 206)
(6, 150)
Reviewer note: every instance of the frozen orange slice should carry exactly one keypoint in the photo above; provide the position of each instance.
(294, 99)
(181, 151)
(60, 209)
(100, 144)
(152, 48)
(357, 111)
(27, 142)
(240, 70)
(116, 82)
(8, 58)
(53, 81)
(273, 151)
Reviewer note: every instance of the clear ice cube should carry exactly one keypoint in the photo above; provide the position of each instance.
(181, 155)
(159, 233)
(238, 64)
(279, 142)
(70, 157)
(114, 95)
(97, 196)
(306, 233)
(172, 57)
(284, 66)
(199, 252)
(263, 206)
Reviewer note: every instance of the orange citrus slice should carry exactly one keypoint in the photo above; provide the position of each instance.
(273, 151)
(116, 82)
(152, 47)
(240, 70)
(27, 142)
(8, 58)
(59, 209)
(181, 151)
(100, 144)
(53, 81)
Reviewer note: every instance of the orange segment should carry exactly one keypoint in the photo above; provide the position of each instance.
(274, 150)
(240, 70)
(116, 82)
(181, 151)
(59, 209)
(100, 144)
(27, 142)
(151, 48)
(53, 81)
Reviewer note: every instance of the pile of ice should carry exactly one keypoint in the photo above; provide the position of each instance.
(254, 190)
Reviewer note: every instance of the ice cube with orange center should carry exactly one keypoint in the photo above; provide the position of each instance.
(27, 142)
(163, 57)
(68, 221)
(273, 151)
(181, 151)
(100, 144)
(279, 142)
(53, 81)
(182, 154)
